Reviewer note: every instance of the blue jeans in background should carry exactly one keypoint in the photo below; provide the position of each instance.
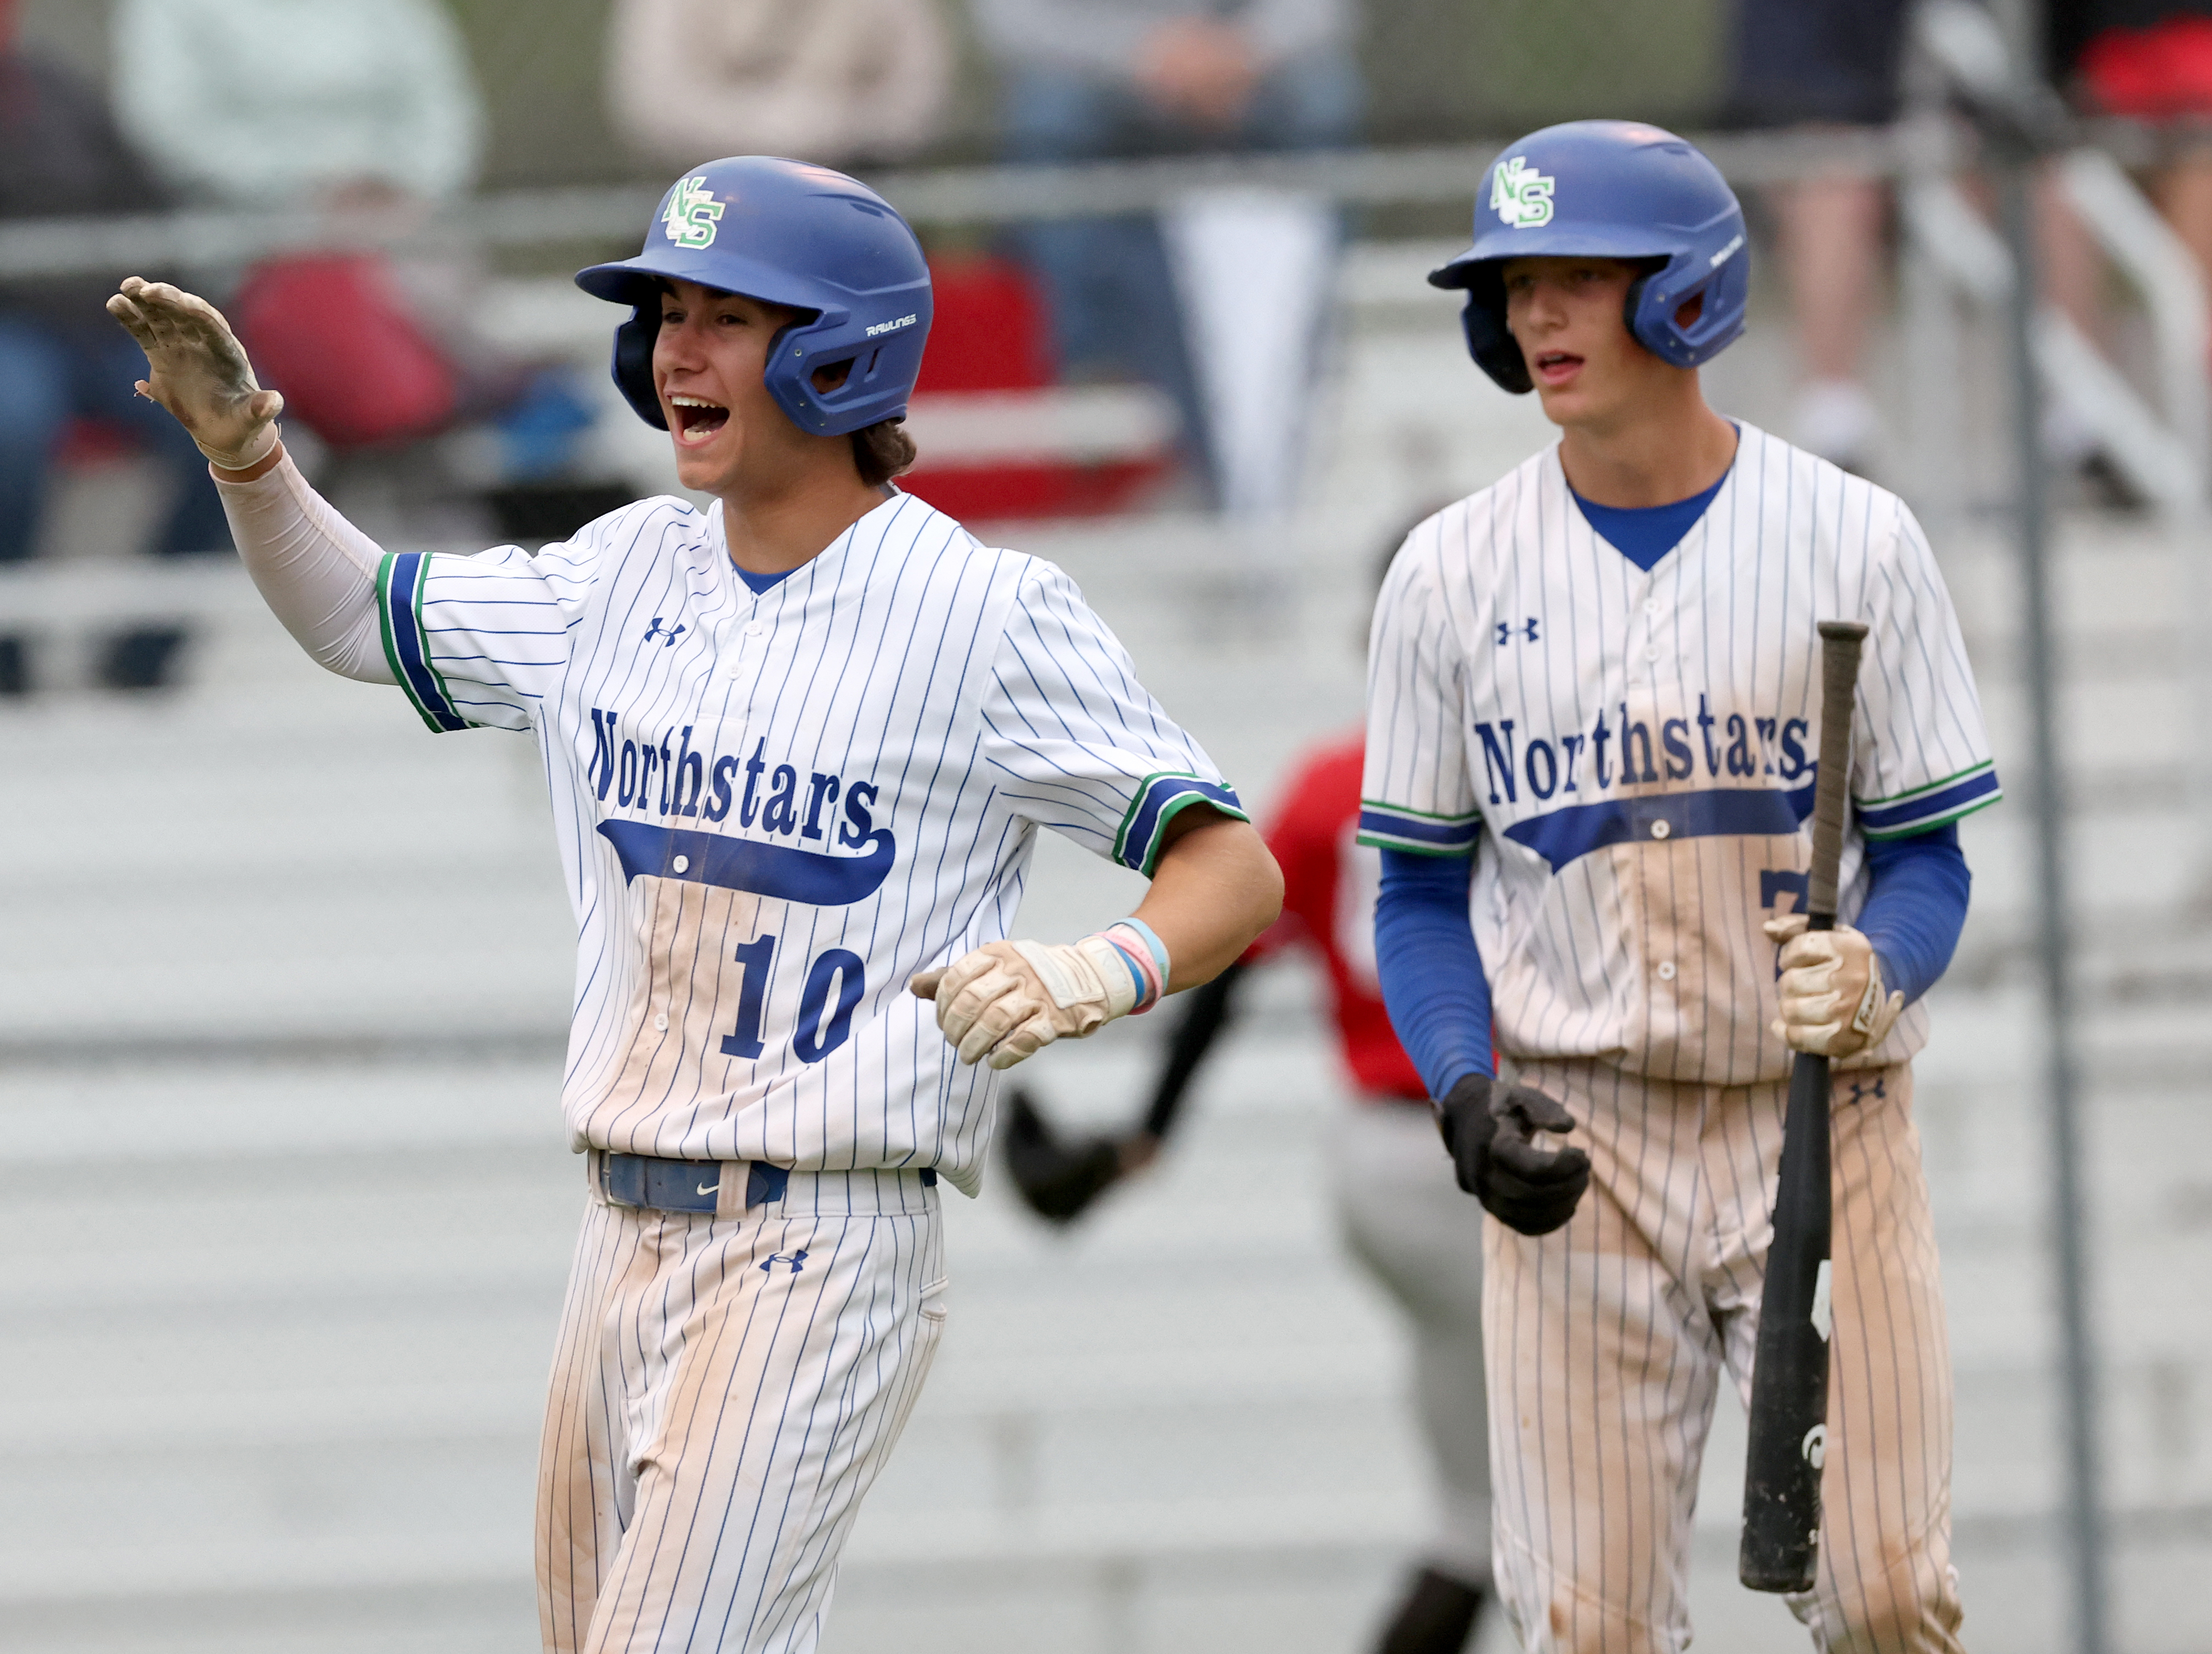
(48, 376)
(1107, 281)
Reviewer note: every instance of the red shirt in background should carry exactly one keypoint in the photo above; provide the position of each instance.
(2160, 71)
(1329, 885)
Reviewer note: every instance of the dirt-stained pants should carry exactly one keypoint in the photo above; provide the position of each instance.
(1606, 1340)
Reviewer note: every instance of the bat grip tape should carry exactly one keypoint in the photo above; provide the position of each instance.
(1840, 641)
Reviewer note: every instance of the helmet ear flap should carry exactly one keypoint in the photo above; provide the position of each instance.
(633, 365)
(792, 355)
(1721, 321)
(1494, 348)
(1726, 293)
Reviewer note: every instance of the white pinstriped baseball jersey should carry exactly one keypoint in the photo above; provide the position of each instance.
(1640, 746)
(772, 809)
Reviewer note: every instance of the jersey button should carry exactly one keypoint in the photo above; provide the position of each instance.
(681, 864)
(1651, 652)
(1666, 973)
(1661, 828)
(661, 1022)
(756, 628)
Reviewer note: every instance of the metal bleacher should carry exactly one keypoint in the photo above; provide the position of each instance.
(287, 1204)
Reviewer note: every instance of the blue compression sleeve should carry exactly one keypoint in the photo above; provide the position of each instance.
(1916, 908)
(1431, 970)
(1439, 997)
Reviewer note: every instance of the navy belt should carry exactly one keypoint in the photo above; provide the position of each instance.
(684, 1185)
(645, 1180)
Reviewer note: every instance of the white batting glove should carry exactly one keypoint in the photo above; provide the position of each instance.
(1833, 1003)
(198, 372)
(1005, 1001)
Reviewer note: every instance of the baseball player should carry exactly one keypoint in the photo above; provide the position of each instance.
(1592, 697)
(799, 745)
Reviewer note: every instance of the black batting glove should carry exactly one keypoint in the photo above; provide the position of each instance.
(1490, 1129)
(1058, 1178)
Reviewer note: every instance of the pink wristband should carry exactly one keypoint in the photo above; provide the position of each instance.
(1132, 947)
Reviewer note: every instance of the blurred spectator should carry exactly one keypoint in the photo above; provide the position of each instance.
(299, 103)
(2147, 60)
(60, 358)
(1085, 79)
(1825, 64)
(833, 81)
(357, 108)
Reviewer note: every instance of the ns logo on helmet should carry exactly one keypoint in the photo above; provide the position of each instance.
(692, 214)
(1520, 195)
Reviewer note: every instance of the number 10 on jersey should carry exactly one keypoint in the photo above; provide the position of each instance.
(822, 1027)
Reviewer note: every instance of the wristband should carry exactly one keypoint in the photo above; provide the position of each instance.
(1141, 980)
(1148, 958)
(1151, 938)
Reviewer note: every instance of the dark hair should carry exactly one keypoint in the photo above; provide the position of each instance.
(881, 451)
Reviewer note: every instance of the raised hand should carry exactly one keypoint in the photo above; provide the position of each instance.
(198, 371)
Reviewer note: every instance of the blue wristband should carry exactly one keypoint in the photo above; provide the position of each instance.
(1151, 940)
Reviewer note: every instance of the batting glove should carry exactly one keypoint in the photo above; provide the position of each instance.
(198, 371)
(1833, 1001)
(1005, 1001)
(1059, 1179)
(1491, 1130)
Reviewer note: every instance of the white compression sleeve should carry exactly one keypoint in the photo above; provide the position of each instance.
(315, 570)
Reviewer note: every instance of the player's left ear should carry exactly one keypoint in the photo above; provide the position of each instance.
(1687, 313)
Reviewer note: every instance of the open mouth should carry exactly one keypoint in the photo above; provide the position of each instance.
(1556, 367)
(696, 419)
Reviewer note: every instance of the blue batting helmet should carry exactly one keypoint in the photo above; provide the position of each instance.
(789, 234)
(1612, 189)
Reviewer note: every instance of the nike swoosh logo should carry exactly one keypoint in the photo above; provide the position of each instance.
(708, 1189)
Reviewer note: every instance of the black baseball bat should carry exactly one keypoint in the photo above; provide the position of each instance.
(1781, 1545)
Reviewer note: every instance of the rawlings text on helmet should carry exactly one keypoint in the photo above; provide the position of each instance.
(692, 214)
(1521, 195)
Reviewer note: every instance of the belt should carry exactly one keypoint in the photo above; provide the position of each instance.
(645, 1180)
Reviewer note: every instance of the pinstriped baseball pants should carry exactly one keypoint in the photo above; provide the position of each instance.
(726, 1389)
(1608, 1341)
